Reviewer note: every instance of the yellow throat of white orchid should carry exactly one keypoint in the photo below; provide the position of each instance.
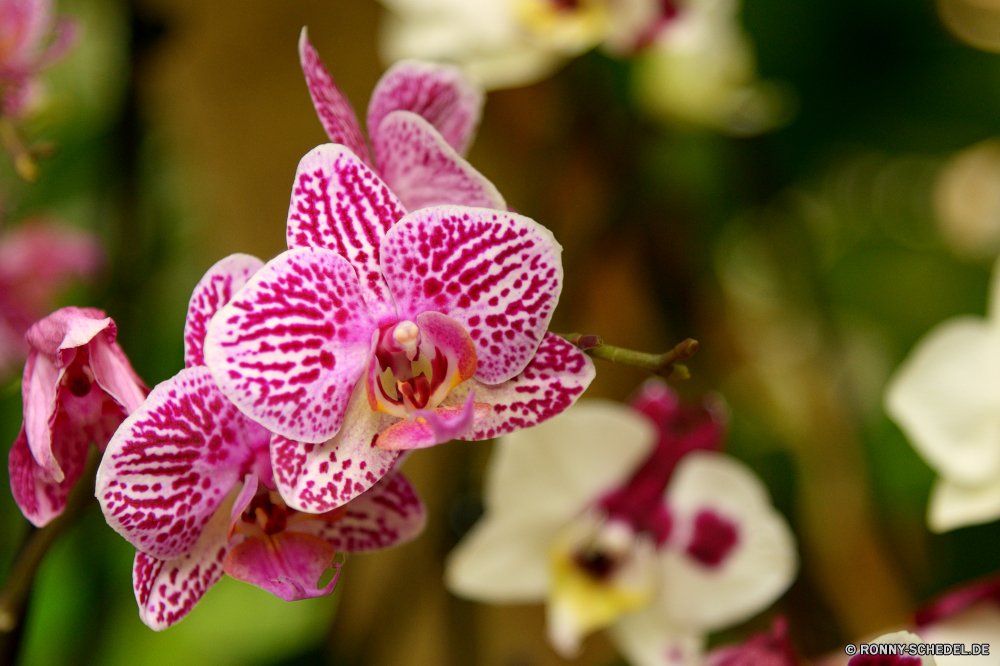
(567, 26)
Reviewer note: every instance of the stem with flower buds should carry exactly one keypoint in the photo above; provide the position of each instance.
(665, 365)
(17, 588)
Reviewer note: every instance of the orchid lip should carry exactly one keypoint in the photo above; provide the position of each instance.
(416, 364)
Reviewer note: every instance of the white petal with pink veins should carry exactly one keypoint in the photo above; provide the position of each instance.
(171, 464)
(699, 590)
(290, 347)
(423, 170)
(216, 288)
(388, 514)
(320, 477)
(555, 378)
(440, 94)
(39, 390)
(339, 204)
(335, 112)
(39, 497)
(167, 590)
(497, 274)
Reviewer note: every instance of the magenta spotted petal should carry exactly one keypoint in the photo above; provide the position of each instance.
(429, 427)
(438, 93)
(555, 378)
(335, 112)
(167, 590)
(39, 497)
(320, 477)
(340, 204)
(423, 170)
(497, 274)
(172, 463)
(388, 514)
(216, 288)
(290, 347)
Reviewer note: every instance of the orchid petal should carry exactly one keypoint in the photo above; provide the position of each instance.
(645, 641)
(755, 572)
(946, 398)
(339, 204)
(287, 564)
(242, 501)
(289, 348)
(319, 477)
(335, 111)
(114, 374)
(503, 559)
(167, 590)
(440, 94)
(39, 497)
(497, 274)
(979, 623)
(67, 33)
(388, 514)
(173, 461)
(557, 468)
(423, 170)
(38, 257)
(40, 390)
(555, 378)
(898, 638)
(58, 335)
(429, 427)
(953, 505)
(215, 289)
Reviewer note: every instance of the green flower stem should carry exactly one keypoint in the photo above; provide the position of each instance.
(17, 588)
(665, 365)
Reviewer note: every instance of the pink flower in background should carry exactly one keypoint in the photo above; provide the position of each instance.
(898, 638)
(770, 649)
(187, 480)
(31, 39)
(78, 387)
(422, 118)
(627, 518)
(378, 330)
(36, 260)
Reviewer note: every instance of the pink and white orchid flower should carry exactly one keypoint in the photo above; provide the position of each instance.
(422, 118)
(31, 39)
(187, 480)
(625, 518)
(78, 387)
(380, 331)
(36, 260)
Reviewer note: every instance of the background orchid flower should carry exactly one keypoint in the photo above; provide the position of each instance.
(31, 39)
(946, 398)
(78, 387)
(895, 638)
(765, 649)
(379, 331)
(625, 518)
(422, 118)
(36, 260)
(188, 482)
(505, 44)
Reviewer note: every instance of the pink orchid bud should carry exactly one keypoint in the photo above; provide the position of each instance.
(78, 387)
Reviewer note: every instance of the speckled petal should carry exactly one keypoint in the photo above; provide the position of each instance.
(388, 514)
(213, 291)
(335, 111)
(440, 94)
(340, 204)
(320, 477)
(555, 378)
(497, 274)
(423, 170)
(167, 590)
(171, 464)
(289, 348)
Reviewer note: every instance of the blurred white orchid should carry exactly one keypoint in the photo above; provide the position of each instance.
(946, 398)
(624, 517)
(697, 65)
